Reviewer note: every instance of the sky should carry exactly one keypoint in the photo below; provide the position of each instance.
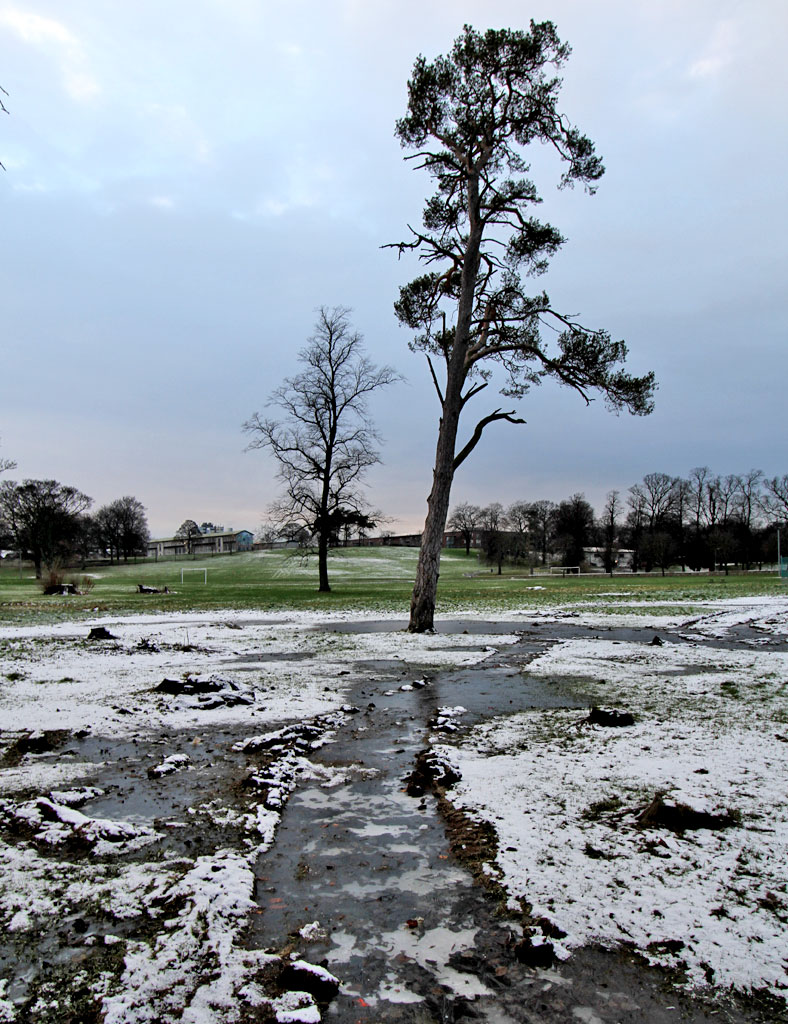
(186, 183)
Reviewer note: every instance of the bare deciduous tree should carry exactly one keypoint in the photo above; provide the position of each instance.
(541, 515)
(325, 441)
(186, 532)
(122, 527)
(465, 519)
(775, 499)
(609, 526)
(43, 517)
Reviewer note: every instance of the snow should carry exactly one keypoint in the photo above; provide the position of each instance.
(163, 980)
(63, 677)
(711, 731)
(432, 948)
(563, 797)
(188, 962)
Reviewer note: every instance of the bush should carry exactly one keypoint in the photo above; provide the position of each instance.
(52, 580)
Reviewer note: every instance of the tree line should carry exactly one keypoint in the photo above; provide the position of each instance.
(702, 521)
(50, 523)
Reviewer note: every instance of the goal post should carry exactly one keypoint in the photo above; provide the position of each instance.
(203, 571)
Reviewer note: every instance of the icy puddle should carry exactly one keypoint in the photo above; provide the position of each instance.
(362, 879)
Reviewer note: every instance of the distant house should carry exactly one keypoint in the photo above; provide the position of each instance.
(225, 542)
(622, 559)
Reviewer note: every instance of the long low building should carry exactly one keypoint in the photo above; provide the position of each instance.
(224, 543)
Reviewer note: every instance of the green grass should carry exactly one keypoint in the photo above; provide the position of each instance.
(372, 579)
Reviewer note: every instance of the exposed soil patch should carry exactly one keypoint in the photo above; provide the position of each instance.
(34, 743)
(610, 718)
(683, 818)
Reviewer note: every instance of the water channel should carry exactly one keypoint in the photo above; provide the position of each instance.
(362, 878)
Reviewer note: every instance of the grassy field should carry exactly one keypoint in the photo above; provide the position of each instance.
(360, 578)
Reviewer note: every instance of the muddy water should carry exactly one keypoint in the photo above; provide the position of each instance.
(394, 914)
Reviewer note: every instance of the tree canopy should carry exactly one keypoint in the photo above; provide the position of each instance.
(187, 531)
(122, 527)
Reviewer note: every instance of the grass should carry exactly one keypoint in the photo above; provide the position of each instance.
(370, 579)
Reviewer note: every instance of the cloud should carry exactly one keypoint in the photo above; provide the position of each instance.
(178, 131)
(53, 37)
(718, 53)
(33, 28)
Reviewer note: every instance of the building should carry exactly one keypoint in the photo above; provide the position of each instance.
(226, 542)
(622, 559)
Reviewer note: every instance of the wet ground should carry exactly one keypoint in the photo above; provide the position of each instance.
(362, 876)
(364, 879)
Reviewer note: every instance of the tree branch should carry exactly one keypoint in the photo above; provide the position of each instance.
(435, 381)
(479, 429)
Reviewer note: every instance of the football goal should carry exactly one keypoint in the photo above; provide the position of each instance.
(203, 571)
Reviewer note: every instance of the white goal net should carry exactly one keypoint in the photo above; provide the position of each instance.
(203, 571)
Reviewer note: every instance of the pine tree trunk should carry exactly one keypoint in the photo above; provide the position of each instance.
(422, 604)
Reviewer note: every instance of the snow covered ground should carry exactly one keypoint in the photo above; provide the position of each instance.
(127, 844)
(140, 778)
(566, 797)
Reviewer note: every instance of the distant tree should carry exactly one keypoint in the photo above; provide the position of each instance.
(44, 518)
(699, 480)
(86, 538)
(713, 503)
(659, 495)
(775, 497)
(343, 523)
(574, 525)
(267, 533)
(541, 517)
(749, 495)
(636, 524)
(122, 528)
(658, 549)
(188, 531)
(465, 519)
(749, 503)
(681, 505)
(518, 522)
(495, 546)
(722, 542)
(325, 442)
(728, 492)
(210, 528)
(608, 529)
(6, 464)
(471, 115)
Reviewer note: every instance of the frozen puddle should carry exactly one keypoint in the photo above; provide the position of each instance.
(361, 878)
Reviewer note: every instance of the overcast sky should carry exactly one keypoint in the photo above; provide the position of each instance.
(186, 182)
